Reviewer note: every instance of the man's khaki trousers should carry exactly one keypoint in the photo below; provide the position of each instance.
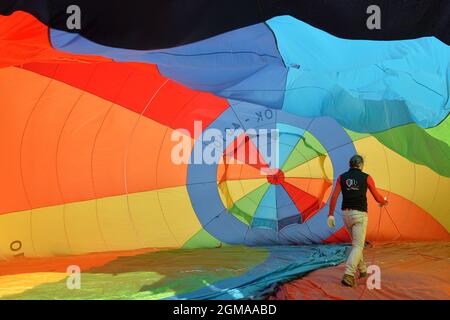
(356, 223)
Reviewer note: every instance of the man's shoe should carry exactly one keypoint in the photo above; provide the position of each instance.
(348, 280)
(363, 274)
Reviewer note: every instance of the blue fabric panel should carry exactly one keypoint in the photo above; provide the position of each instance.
(242, 64)
(266, 212)
(366, 85)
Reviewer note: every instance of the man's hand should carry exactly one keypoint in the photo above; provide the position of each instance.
(381, 205)
(331, 223)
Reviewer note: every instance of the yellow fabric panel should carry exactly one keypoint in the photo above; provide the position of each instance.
(179, 214)
(15, 284)
(160, 218)
(249, 185)
(302, 171)
(375, 162)
(328, 168)
(49, 232)
(313, 168)
(149, 221)
(425, 187)
(441, 204)
(116, 225)
(224, 195)
(15, 227)
(83, 230)
(401, 174)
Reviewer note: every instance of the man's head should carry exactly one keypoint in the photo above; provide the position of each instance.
(356, 162)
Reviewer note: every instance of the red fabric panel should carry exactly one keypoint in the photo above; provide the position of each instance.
(408, 271)
(306, 203)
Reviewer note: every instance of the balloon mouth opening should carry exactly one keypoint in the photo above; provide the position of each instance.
(276, 178)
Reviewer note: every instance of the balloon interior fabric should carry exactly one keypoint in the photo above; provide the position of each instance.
(116, 155)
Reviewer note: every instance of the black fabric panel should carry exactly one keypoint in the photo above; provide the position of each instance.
(155, 24)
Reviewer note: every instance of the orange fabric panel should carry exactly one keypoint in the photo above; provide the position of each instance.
(169, 174)
(74, 164)
(142, 156)
(14, 120)
(25, 39)
(40, 142)
(402, 220)
(67, 145)
(238, 171)
(108, 156)
(148, 159)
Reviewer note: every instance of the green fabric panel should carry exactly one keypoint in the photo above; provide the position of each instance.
(441, 131)
(202, 239)
(415, 144)
(244, 209)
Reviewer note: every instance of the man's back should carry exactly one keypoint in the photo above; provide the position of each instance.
(354, 184)
(354, 188)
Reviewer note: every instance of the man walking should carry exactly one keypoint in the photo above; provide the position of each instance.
(354, 184)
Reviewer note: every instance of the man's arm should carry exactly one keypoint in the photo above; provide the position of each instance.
(373, 190)
(334, 196)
